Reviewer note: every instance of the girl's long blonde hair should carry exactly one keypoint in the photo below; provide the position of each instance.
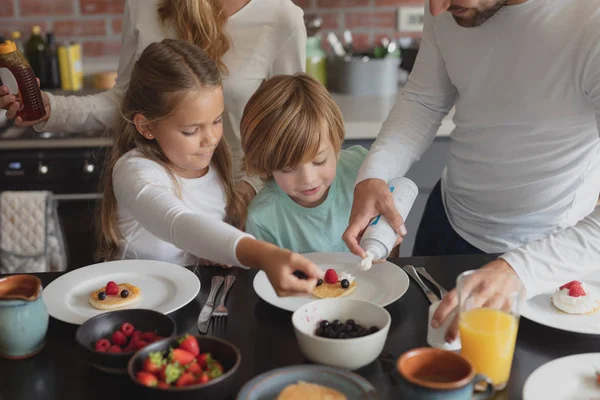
(162, 77)
(201, 22)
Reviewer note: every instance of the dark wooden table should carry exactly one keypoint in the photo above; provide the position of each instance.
(266, 339)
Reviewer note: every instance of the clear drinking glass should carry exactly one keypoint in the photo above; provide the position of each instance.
(488, 322)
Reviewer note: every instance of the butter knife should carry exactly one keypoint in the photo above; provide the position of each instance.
(207, 310)
(423, 272)
(410, 270)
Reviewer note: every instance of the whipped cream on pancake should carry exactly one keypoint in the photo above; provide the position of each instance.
(346, 275)
(564, 300)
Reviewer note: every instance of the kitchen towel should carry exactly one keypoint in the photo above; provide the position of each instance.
(31, 238)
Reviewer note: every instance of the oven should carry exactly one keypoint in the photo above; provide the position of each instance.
(70, 166)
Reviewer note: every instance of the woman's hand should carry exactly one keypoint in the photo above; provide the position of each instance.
(10, 103)
(280, 266)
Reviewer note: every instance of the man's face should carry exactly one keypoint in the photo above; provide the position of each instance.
(467, 13)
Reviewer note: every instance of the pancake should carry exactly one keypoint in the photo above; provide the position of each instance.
(113, 302)
(309, 391)
(331, 290)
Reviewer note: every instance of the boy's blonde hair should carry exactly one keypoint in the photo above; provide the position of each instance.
(284, 123)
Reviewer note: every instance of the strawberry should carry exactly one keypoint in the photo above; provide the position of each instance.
(127, 329)
(146, 379)
(172, 372)
(194, 368)
(331, 276)
(576, 291)
(186, 379)
(204, 378)
(189, 343)
(102, 345)
(570, 284)
(153, 363)
(183, 357)
(217, 365)
(215, 373)
(112, 288)
(119, 338)
(162, 374)
(204, 359)
(162, 384)
(114, 349)
(148, 336)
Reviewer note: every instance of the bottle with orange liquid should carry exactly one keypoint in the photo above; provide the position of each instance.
(16, 74)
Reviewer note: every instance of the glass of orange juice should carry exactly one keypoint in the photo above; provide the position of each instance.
(488, 325)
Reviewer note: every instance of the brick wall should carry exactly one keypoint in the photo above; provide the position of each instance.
(97, 23)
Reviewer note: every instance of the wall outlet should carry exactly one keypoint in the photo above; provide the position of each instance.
(410, 19)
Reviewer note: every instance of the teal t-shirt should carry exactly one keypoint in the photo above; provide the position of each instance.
(274, 217)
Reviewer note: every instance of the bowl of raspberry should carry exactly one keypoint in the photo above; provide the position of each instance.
(110, 339)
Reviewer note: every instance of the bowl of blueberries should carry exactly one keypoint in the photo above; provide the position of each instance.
(341, 332)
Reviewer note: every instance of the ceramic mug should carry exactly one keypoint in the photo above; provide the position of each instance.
(23, 316)
(435, 374)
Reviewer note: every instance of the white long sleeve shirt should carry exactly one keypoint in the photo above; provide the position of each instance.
(523, 162)
(177, 223)
(268, 37)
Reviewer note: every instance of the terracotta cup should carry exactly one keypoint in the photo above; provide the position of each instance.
(23, 316)
(434, 374)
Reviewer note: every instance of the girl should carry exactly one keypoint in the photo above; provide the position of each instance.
(168, 190)
(250, 40)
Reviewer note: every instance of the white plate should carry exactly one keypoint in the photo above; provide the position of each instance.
(567, 378)
(383, 284)
(165, 288)
(539, 309)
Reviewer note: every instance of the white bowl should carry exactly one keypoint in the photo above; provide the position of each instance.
(343, 353)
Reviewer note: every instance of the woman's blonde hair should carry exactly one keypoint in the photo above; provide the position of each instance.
(285, 122)
(201, 22)
(162, 78)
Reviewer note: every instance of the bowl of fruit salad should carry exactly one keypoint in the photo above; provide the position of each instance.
(195, 365)
(110, 339)
(341, 332)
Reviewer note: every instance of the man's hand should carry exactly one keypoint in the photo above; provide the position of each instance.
(11, 104)
(494, 283)
(372, 197)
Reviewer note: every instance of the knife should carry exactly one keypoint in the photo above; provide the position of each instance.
(207, 310)
(410, 270)
(423, 272)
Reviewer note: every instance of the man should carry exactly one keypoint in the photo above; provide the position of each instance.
(523, 172)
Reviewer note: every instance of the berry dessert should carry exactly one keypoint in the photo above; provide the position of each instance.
(338, 330)
(125, 340)
(182, 366)
(334, 285)
(576, 298)
(113, 296)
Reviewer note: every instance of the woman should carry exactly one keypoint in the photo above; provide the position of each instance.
(251, 40)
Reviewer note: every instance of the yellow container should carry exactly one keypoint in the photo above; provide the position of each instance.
(70, 64)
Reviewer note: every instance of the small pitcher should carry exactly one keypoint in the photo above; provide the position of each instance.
(23, 316)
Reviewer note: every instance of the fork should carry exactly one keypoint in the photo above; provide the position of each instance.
(221, 310)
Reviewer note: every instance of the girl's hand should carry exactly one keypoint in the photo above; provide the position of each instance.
(206, 263)
(280, 265)
(9, 103)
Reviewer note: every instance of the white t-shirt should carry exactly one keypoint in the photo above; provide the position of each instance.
(523, 162)
(158, 222)
(268, 38)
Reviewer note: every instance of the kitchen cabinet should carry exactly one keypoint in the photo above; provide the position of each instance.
(425, 173)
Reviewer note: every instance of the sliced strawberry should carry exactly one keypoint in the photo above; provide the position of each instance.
(194, 368)
(102, 345)
(183, 357)
(146, 379)
(190, 343)
(570, 284)
(115, 349)
(127, 329)
(204, 378)
(119, 338)
(163, 385)
(576, 291)
(148, 336)
(186, 379)
(154, 363)
(112, 288)
(331, 276)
